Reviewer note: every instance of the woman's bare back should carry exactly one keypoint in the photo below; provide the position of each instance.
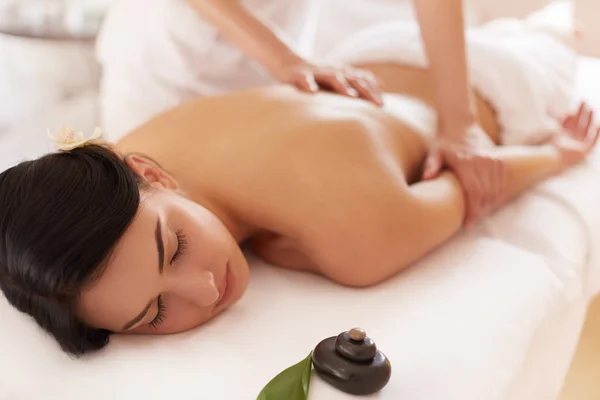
(276, 122)
(298, 169)
(270, 127)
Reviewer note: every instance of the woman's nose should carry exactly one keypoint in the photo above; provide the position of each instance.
(198, 287)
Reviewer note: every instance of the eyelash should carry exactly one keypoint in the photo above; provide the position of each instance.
(181, 245)
(160, 316)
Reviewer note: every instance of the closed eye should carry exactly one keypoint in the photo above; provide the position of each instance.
(160, 315)
(181, 246)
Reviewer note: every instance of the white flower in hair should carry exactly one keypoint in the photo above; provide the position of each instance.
(68, 139)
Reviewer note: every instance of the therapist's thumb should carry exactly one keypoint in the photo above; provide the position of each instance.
(433, 165)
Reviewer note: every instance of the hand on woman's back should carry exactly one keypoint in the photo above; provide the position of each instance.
(472, 158)
(343, 80)
(483, 175)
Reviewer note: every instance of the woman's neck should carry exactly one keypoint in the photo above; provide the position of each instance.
(240, 230)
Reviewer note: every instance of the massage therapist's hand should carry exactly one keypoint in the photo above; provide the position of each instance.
(343, 80)
(463, 146)
(470, 155)
(267, 45)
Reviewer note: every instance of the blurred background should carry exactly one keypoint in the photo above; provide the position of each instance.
(49, 75)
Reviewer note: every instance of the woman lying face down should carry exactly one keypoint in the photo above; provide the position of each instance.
(91, 248)
(145, 237)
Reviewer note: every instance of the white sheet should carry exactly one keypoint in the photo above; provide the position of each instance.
(436, 323)
(547, 361)
(457, 326)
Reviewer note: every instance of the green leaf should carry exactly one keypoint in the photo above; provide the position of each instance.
(291, 384)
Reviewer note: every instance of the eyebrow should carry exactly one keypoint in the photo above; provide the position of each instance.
(159, 246)
(161, 263)
(138, 318)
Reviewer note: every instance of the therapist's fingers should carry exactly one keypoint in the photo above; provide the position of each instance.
(337, 82)
(473, 193)
(501, 173)
(571, 122)
(371, 82)
(587, 123)
(377, 88)
(433, 165)
(376, 85)
(490, 176)
(307, 83)
(365, 90)
(581, 111)
(477, 194)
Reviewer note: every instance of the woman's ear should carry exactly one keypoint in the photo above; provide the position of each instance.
(151, 172)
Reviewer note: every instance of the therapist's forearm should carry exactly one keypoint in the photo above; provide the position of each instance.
(443, 32)
(257, 40)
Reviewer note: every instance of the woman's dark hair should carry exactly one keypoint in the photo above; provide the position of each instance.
(61, 217)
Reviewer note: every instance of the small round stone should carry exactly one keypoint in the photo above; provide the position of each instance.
(355, 350)
(358, 377)
(357, 334)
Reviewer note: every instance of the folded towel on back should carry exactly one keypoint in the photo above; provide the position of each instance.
(523, 71)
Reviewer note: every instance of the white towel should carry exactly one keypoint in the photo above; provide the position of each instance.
(526, 74)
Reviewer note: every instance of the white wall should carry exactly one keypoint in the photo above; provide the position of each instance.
(360, 12)
(586, 14)
(490, 9)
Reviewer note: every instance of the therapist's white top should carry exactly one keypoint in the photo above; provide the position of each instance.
(157, 53)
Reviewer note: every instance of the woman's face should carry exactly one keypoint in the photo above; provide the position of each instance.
(176, 267)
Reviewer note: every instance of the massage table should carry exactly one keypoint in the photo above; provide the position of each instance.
(493, 314)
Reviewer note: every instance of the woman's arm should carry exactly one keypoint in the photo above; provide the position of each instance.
(429, 213)
(269, 47)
